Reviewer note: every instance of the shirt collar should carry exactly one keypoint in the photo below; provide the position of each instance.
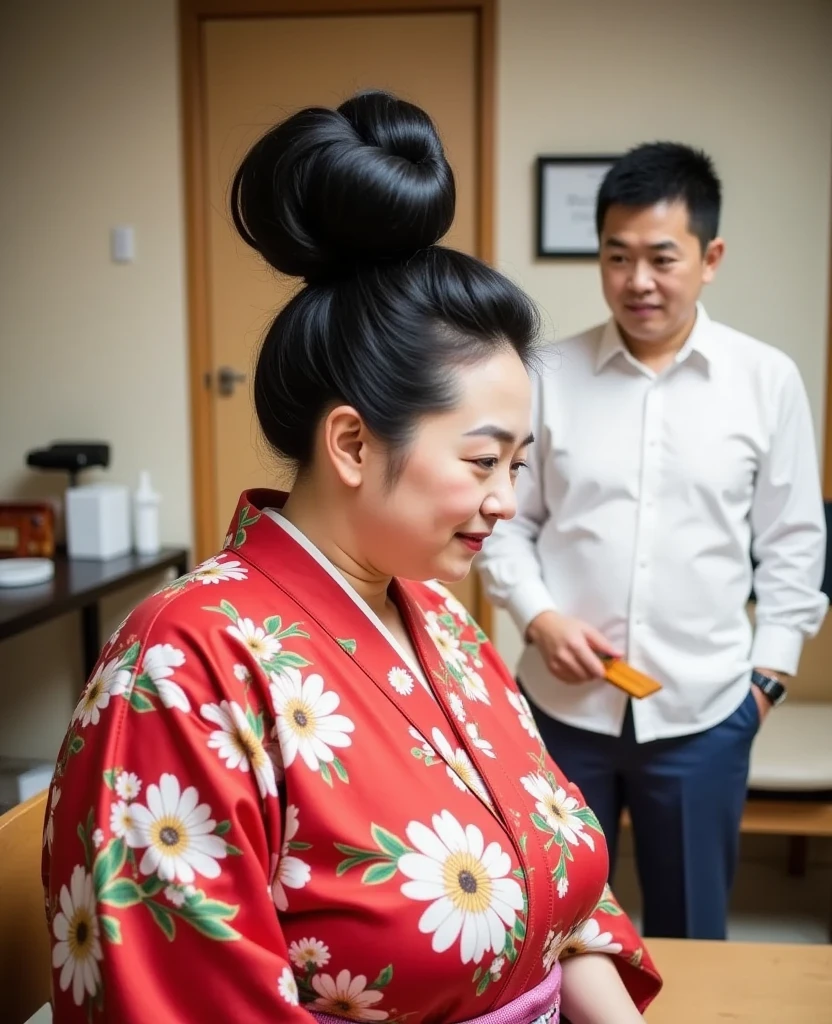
(699, 343)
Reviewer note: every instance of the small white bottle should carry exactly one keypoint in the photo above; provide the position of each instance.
(146, 517)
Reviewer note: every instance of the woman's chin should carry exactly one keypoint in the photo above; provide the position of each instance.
(452, 568)
(448, 566)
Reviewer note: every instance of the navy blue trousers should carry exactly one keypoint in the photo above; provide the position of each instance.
(685, 797)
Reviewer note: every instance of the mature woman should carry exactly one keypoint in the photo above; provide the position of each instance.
(301, 784)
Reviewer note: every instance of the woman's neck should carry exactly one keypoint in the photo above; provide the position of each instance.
(306, 510)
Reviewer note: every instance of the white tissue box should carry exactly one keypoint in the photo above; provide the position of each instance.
(98, 521)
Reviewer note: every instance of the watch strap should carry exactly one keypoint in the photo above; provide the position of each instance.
(773, 690)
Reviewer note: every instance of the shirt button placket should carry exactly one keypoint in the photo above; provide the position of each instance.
(646, 522)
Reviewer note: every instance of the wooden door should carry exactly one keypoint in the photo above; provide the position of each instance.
(254, 71)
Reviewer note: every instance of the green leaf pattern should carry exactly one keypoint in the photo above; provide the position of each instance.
(244, 520)
(118, 888)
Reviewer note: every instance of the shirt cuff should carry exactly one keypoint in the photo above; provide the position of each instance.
(777, 648)
(526, 602)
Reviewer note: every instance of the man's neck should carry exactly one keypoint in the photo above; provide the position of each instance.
(659, 354)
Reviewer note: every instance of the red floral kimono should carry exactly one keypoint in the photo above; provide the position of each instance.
(263, 808)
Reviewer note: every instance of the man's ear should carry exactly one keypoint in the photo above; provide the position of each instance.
(713, 258)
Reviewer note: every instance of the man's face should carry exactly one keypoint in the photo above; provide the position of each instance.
(653, 270)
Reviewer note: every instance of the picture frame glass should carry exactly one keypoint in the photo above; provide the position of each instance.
(568, 193)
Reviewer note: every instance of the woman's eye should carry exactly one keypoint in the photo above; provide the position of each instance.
(491, 462)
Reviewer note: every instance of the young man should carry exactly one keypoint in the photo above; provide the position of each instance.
(674, 466)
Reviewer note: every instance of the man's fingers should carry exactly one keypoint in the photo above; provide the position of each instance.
(599, 643)
(591, 665)
(565, 667)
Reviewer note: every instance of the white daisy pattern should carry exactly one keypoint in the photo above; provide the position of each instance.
(176, 833)
(121, 819)
(457, 707)
(262, 645)
(242, 674)
(453, 604)
(496, 968)
(237, 744)
(178, 895)
(288, 987)
(345, 996)
(305, 724)
(309, 951)
(159, 662)
(446, 643)
(117, 632)
(587, 937)
(218, 570)
(557, 809)
(128, 785)
(98, 838)
(473, 684)
(77, 951)
(473, 732)
(524, 712)
(290, 872)
(401, 681)
(473, 898)
(109, 680)
(427, 749)
(49, 831)
(460, 768)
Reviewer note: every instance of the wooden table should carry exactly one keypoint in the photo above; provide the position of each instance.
(78, 585)
(741, 982)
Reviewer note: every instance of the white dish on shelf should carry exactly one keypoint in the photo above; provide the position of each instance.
(25, 572)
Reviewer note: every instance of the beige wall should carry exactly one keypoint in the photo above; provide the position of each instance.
(90, 138)
(750, 81)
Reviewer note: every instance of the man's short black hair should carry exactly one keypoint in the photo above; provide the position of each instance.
(665, 172)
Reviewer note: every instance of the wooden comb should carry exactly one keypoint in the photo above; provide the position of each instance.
(627, 678)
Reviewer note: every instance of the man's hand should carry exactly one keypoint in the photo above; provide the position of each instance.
(569, 647)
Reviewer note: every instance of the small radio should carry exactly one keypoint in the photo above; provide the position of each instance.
(27, 529)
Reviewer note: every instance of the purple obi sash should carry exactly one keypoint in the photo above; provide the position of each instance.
(541, 1005)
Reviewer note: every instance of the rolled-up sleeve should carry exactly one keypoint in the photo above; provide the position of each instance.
(789, 535)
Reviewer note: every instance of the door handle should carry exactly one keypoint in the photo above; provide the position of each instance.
(227, 380)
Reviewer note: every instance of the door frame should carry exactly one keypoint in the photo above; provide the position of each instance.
(192, 13)
(827, 436)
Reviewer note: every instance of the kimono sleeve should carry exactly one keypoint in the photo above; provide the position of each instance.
(159, 866)
(609, 930)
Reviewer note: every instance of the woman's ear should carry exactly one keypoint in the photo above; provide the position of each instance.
(345, 439)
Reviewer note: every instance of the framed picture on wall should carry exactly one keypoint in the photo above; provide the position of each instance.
(567, 187)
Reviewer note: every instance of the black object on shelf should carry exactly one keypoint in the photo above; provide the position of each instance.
(71, 457)
(79, 585)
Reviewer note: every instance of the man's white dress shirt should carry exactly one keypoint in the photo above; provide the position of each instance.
(647, 495)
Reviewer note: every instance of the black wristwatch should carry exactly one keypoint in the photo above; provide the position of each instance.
(773, 690)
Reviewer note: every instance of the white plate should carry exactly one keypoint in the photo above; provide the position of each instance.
(25, 572)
